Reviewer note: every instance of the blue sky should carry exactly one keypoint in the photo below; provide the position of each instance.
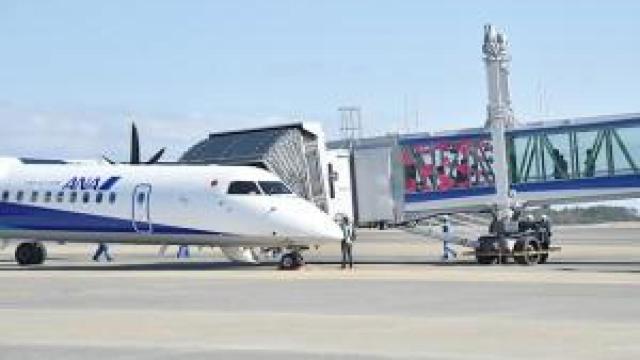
(71, 71)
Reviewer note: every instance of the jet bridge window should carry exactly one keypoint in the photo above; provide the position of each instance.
(573, 153)
(243, 188)
(274, 187)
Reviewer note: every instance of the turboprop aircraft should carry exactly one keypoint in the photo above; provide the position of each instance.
(234, 207)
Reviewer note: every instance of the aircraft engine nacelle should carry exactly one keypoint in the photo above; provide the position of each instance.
(240, 254)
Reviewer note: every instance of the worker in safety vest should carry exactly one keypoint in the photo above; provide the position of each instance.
(183, 251)
(447, 251)
(347, 243)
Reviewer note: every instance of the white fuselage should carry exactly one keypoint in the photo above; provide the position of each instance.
(153, 204)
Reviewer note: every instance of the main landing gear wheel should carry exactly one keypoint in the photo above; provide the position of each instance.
(526, 251)
(30, 253)
(291, 261)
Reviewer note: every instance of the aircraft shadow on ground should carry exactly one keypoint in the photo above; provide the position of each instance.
(9, 265)
(156, 266)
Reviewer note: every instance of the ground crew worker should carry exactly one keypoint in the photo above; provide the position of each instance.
(103, 249)
(183, 251)
(447, 252)
(347, 243)
(544, 220)
(527, 224)
(590, 164)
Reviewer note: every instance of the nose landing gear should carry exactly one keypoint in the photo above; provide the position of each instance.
(291, 261)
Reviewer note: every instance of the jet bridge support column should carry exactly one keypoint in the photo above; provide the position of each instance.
(499, 112)
(527, 242)
(499, 117)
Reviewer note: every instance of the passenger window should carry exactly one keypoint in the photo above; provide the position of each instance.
(85, 197)
(34, 196)
(99, 197)
(5, 195)
(112, 197)
(19, 196)
(60, 196)
(73, 196)
(141, 198)
(47, 196)
(243, 188)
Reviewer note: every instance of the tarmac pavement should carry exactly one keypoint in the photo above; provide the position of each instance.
(399, 302)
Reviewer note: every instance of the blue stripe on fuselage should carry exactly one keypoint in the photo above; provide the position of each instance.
(29, 217)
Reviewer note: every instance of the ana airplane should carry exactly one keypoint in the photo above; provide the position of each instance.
(234, 207)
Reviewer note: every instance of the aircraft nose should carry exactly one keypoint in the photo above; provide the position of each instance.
(324, 227)
(306, 220)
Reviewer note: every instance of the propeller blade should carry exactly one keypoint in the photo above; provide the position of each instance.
(154, 159)
(108, 160)
(135, 145)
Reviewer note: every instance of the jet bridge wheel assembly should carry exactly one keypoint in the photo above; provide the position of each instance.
(526, 251)
(486, 250)
(30, 253)
(544, 256)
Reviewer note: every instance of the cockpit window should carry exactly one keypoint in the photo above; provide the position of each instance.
(274, 187)
(243, 188)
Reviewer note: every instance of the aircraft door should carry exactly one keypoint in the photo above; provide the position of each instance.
(141, 211)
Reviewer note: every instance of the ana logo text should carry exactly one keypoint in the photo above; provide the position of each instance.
(90, 183)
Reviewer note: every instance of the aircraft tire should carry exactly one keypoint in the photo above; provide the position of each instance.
(291, 261)
(486, 247)
(30, 253)
(41, 253)
(288, 262)
(543, 257)
(523, 247)
(299, 260)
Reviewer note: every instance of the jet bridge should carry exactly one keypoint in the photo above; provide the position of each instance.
(572, 160)
(294, 152)
(585, 159)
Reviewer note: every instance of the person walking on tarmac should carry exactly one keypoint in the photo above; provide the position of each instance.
(103, 249)
(183, 251)
(447, 252)
(347, 243)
